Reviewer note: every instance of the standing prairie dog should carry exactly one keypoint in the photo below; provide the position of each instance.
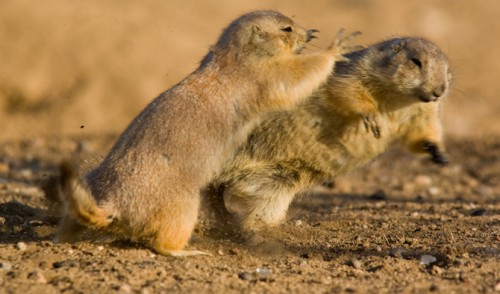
(394, 89)
(147, 188)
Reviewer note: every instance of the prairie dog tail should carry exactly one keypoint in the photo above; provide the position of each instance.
(79, 202)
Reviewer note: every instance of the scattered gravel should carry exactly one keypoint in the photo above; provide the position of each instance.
(351, 245)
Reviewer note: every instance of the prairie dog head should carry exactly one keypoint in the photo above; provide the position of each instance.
(412, 67)
(261, 33)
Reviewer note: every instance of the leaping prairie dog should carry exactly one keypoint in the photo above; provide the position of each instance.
(394, 89)
(147, 189)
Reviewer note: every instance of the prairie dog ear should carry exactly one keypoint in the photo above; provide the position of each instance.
(255, 29)
(398, 46)
(256, 36)
(248, 35)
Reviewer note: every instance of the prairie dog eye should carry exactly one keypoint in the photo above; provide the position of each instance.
(417, 62)
(287, 29)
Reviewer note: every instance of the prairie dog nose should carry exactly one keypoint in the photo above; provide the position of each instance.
(439, 91)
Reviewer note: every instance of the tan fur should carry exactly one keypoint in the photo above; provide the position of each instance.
(147, 188)
(80, 202)
(394, 89)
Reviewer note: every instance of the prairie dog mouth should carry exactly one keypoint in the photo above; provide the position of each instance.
(426, 98)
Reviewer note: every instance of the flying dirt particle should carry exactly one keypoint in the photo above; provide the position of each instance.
(82, 126)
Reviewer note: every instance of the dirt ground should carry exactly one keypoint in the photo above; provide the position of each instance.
(367, 234)
(74, 74)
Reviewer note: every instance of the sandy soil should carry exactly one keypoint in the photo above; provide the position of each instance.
(74, 74)
(368, 234)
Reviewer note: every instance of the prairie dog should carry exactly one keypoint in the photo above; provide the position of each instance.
(147, 188)
(394, 89)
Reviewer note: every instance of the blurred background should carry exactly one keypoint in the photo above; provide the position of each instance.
(88, 67)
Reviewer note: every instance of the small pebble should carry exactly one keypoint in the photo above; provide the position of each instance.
(38, 277)
(125, 288)
(298, 223)
(355, 263)
(263, 273)
(220, 252)
(245, 276)
(100, 248)
(423, 181)
(29, 191)
(26, 173)
(497, 287)
(234, 251)
(326, 280)
(260, 274)
(21, 246)
(427, 259)
(433, 191)
(437, 270)
(5, 266)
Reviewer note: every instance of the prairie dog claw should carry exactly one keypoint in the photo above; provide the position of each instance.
(339, 44)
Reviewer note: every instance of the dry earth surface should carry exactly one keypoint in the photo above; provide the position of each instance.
(367, 234)
(74, 74)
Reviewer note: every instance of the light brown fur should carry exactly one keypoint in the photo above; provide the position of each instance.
(147, 188)
(394, 89)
